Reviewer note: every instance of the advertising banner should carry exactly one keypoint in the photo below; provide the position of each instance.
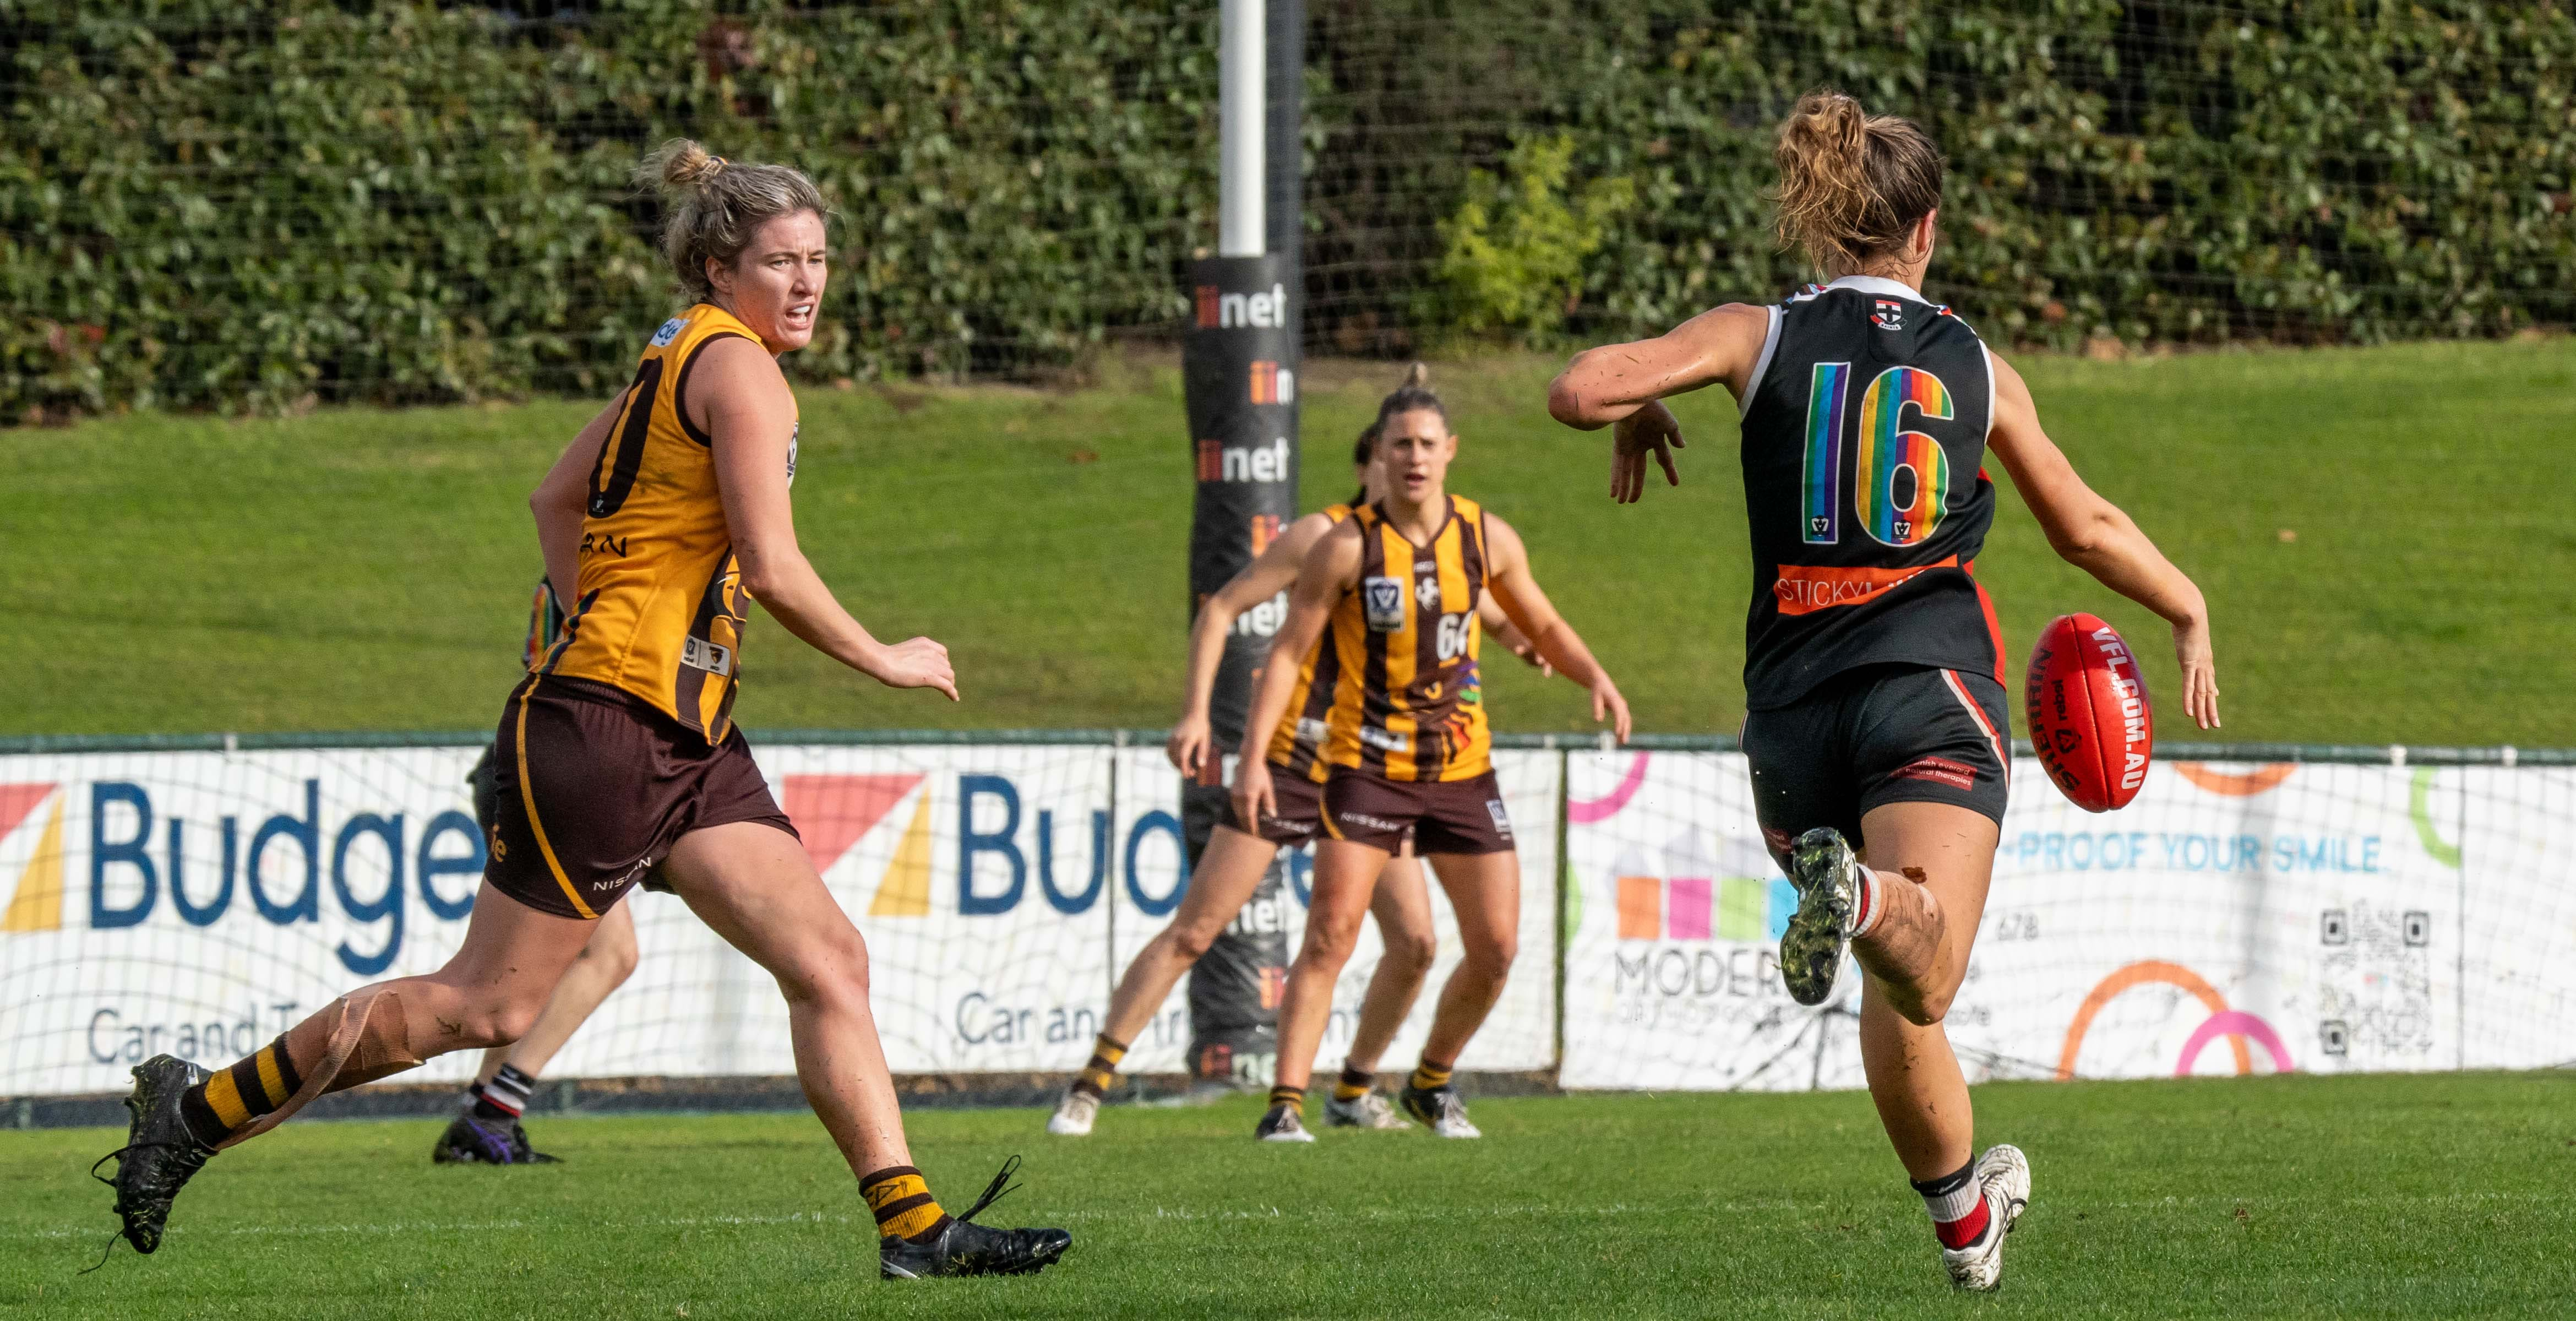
(200, 903)
(2235, 918)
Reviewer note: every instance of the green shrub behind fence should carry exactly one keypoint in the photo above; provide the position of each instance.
(238, 205)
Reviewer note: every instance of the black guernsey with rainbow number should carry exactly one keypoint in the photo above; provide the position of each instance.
(1864, 439)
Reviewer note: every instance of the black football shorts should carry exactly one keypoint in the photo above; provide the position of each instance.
(1872, 735)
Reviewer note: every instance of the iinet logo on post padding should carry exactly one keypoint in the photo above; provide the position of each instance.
(1224, 311)
(1257, 463)
(1273, 384)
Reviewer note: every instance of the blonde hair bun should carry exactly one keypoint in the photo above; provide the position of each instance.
(715, 205)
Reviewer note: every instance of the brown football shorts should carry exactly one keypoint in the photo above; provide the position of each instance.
(592, 786)
(1299, 818)
(1440, 816)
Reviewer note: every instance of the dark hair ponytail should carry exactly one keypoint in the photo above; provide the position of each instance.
(1363, 452)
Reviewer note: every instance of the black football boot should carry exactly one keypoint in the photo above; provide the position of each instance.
(159, 1153)
(966, 1248)
(472, 1141)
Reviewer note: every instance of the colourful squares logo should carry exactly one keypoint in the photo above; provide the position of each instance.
(1740, 908)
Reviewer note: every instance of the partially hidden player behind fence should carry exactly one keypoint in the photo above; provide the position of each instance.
(1394, 593)
(1873, 669)
(665, 517)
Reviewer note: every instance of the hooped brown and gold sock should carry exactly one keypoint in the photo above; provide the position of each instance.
(1354, 1084)
(226, 1103)
(903, 1204)
(1102, 1070)
(1429, 1076)
(1292, 1097)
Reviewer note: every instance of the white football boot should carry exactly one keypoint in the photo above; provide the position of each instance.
(2003, 1176)
(1073, 1115)
(1441, 1110)
(1371, 1110)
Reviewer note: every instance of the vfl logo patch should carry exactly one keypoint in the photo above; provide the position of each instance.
(1939, 770)
(1382, 600)
(1890, 314)
(1502, 819)
(670, 331)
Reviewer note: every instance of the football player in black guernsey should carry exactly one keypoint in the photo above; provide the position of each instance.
(1876, 727)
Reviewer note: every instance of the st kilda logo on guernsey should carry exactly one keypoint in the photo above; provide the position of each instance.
(1890, 314)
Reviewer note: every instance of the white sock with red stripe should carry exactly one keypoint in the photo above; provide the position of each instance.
(504, 1097)
(1958, 1206)
(1868, 901)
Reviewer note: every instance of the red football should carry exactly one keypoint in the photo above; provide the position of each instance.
(2087, 709)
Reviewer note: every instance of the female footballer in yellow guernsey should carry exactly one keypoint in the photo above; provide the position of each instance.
(1238, 855)
(665, 518)
(1399, 584)
(1873, 670)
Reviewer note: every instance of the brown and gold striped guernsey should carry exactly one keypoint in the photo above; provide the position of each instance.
(659, 608)
(1296, 747)
(1403, 640)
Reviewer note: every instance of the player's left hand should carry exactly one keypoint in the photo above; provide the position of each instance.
(1608, 704)
(1653, 430)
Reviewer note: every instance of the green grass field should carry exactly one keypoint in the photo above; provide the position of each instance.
(367, 570)
(2449, 1195)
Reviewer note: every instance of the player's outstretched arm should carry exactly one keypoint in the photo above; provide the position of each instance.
(2094, 535)
(1623, 384)
(751, 415)
(1508, 580)
(1327, 572)
(561, 499)
(1274, 568)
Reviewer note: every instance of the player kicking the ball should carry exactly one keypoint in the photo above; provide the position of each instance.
(1399, 585)
(1874, 673)
(664, 519)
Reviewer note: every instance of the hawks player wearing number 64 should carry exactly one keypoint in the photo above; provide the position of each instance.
(1873, 670)
(1399, 585)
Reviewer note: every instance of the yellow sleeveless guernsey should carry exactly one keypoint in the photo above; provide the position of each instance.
(1406, 703)
(1295, 746)
(659, 608)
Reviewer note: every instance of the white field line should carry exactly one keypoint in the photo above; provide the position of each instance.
(2253, 1202)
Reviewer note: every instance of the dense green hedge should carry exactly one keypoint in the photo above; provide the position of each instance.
(247, 205)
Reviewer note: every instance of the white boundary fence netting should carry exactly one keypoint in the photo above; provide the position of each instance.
(2257, 909)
